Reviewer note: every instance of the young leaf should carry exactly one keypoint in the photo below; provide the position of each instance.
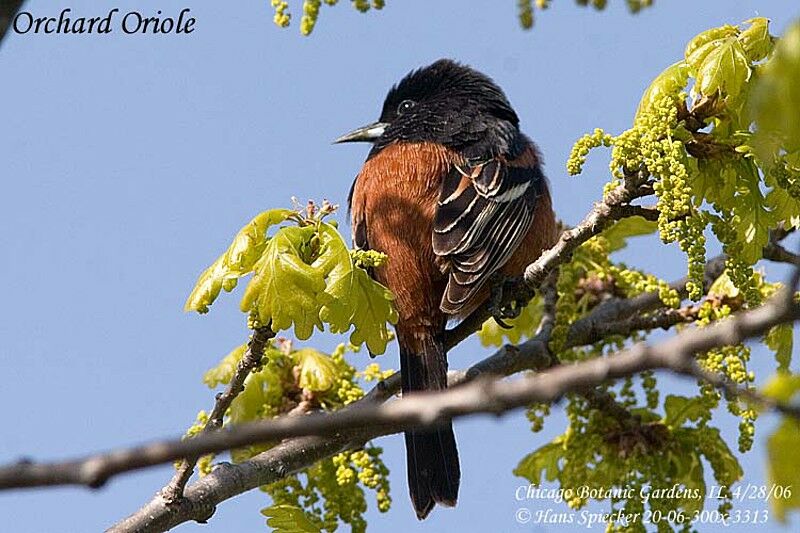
(352, 298)
(784, 466)
(223, 372)
(723, 286)
(671, 81)
(708, 36)
(724, 463)
(285, 289)
(249, 404)
(237, 261)
(249, 243)
(209, 285)
(780, 339)
(679, 409)
(782, 387)
(317, 371)
(720, 65)
(686, 467)
(541, 463)
(776, 97)
(290, 519)
(618, 234)
(753, 220)
(756, 40)
(714, 181)
(785, 207)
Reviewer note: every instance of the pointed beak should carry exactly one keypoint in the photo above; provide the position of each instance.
(369, 133)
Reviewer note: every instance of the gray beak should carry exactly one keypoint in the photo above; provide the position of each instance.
(369, 133)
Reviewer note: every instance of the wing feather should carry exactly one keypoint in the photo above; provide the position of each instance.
(484, 212)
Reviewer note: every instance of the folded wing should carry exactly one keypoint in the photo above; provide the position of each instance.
(485, 210)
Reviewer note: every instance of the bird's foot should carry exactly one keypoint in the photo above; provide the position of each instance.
(509, 296)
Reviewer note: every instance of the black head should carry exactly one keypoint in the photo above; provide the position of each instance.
(446, 103)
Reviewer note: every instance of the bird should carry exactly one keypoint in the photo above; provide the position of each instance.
(454, 194)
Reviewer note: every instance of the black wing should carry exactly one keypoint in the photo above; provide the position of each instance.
(359, 225)
(485, 210)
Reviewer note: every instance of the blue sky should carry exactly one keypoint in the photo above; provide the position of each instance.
(130, 161)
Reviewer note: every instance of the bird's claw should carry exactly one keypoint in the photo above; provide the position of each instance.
(500, 322)
(509, 297)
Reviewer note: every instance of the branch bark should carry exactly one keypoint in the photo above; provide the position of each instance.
(484, 395)
(8, 9)
(368, 419)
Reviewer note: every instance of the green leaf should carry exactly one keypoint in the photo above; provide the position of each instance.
(753, 230)
(352, 298)
(249, 404)
(317, 371)
(679, 409)
(290, 519)
(237, 261)
(776, 98)
(671, 81)
(542, 462)
(523, 326)
(753, 221)
(782, 387)
(756, 40)
(714, 181)
(780, 339)
(708, 36)
(223, 372)
(286, 289)
(209, 285)
(618, 234)
(720, 65)
(724, 287)
(784, 207)
(686, 466)
(784, 466)
(727, 469)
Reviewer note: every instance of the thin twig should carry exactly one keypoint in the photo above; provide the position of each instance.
(250, 360)
(777, 253)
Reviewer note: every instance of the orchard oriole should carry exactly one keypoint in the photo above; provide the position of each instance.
(453, 193)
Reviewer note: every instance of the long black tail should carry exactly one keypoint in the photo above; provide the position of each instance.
(432, 456)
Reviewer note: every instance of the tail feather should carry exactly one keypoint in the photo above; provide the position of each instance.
(432, 456)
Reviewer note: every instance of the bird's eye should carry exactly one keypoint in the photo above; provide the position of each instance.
(405, 106)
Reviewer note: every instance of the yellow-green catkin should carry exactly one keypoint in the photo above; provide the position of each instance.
(310, 15)
(282, 16)
(361, 5)
(582, 147)
(525, 13)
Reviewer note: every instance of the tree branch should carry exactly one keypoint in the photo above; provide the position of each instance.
(8, 9)
(358, 424)
(226, 481)
(369, 419)
(621, 308)
(777, 253)
(532, 354)
(509, 359)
